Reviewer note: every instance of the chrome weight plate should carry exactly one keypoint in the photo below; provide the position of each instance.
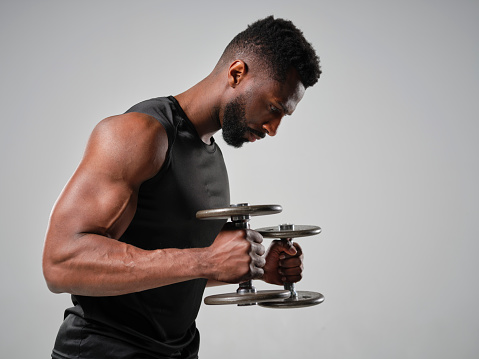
(239, 210)
(289, 231)
(247, 298)
(303, 299)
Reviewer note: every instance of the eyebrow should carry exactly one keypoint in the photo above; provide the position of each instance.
(285, 110)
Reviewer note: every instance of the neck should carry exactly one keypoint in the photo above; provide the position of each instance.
(201, 103)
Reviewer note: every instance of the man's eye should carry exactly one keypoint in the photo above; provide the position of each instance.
(274, 109)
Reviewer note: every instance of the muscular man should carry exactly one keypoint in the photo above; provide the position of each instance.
(123, 238)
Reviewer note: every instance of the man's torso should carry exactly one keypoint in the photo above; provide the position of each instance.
(159, 322)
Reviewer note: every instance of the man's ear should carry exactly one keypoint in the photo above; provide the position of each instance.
(236, 72)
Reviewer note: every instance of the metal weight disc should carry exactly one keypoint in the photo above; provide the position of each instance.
(250, 210)
(289, 231)
(247, 298)
(304, 299)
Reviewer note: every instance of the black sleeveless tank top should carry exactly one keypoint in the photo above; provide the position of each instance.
(156, 323)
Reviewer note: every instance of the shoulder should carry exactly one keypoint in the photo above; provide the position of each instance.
(131, 130)
(135, 142)
(129, 126)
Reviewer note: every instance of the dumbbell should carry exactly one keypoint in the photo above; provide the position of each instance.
(240, 214)
(296, 299)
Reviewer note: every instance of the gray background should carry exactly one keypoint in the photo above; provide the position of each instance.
(382, 154)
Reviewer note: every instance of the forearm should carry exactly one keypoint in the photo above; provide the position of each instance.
(100, 266)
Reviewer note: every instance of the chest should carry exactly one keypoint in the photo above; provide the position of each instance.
(195, 178)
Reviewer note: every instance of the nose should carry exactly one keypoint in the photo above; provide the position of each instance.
(271, 126)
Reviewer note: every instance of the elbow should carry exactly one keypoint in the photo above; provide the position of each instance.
(57, 258)
(54, 288)
(52, 278)
(54, 274)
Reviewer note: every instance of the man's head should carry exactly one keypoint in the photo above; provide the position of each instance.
(269, 64)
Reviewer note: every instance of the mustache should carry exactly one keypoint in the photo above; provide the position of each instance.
(257, 133)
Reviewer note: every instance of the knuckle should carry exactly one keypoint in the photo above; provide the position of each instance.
(255, 236)
(259, 273)
(259, 238)
(260, 249)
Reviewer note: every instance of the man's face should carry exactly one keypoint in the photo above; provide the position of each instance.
(258, 111)
(235, 127)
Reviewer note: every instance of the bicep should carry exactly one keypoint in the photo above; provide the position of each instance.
(94, 202)
(101, 196)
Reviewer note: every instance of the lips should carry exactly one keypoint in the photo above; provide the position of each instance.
(251, 137)
(254, 135)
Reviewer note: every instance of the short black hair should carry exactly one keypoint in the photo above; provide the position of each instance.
(280, 45)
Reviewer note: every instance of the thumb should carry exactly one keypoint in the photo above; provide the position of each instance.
(288, 247)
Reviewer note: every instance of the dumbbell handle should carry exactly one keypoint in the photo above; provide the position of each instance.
(244, 287)
(287, 285)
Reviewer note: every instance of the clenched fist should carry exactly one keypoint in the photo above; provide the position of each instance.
(284, 263)
(236, 255)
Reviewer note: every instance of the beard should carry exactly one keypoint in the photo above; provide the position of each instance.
(234, 123)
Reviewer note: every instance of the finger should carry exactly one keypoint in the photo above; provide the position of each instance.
(291, 279)
(290, 262)
(290, 271)
(254, 236)
(256, 272)
(258, 249)
(288, 249)
(259, 262)
(299, 250)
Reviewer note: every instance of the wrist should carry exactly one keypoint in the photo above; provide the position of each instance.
(204, 266)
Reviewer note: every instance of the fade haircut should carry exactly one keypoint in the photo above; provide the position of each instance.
(278, 44)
